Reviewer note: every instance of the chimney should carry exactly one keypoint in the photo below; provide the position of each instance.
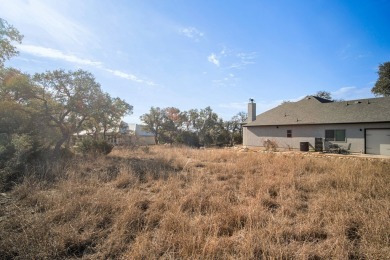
(251, 110)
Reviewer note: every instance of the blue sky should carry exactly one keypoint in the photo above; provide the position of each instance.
(192, 53)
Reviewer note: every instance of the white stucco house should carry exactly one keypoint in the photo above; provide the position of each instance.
(126, 134)
(314, 123)
(139, 135)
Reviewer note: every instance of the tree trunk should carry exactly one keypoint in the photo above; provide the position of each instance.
(156, 135)
(57, 148)
(156, 138)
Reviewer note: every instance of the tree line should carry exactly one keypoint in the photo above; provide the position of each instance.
(51, 106)
(40, 113)
(195, 127)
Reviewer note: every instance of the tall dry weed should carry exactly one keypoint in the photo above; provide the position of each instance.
(177, 202)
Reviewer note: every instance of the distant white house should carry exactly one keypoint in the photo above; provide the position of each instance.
(138, 134)
(126, 134)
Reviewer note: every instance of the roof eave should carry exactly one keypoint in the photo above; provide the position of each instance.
(328, 123)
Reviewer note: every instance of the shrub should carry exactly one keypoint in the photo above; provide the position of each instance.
(188, 138)
(146, 149)
(95, 146)
(270, 145)
(16, 151)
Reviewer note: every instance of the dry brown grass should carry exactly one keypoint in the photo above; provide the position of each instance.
(171, 203)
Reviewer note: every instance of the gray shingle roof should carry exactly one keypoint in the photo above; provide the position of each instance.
(315, 110)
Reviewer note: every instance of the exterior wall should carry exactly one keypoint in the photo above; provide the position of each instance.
(142, 140)
(131, 140)
(119, 139)
(256, 135)
(128, 134)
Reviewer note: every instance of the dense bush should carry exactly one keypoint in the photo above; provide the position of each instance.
(16, 151)
(188, 138)
(89, 145)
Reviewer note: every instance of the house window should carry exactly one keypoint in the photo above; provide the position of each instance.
(289, 133)
(335, 135)
(111, 139)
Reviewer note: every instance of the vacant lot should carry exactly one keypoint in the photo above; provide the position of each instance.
(167, 202)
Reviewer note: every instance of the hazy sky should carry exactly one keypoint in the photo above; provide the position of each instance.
(193, 53)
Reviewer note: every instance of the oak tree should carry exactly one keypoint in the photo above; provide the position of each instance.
(153, 121)
(68, 100)
(382, 85)
(8, 34)
(108, 113)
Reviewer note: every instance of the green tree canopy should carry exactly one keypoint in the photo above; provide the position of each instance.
(382, 85)
(193, 127)
(17, 110)
(153, 120)
(70, 99)
(234, 127)
(324, 94)
(108, 113)
(8, 34)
